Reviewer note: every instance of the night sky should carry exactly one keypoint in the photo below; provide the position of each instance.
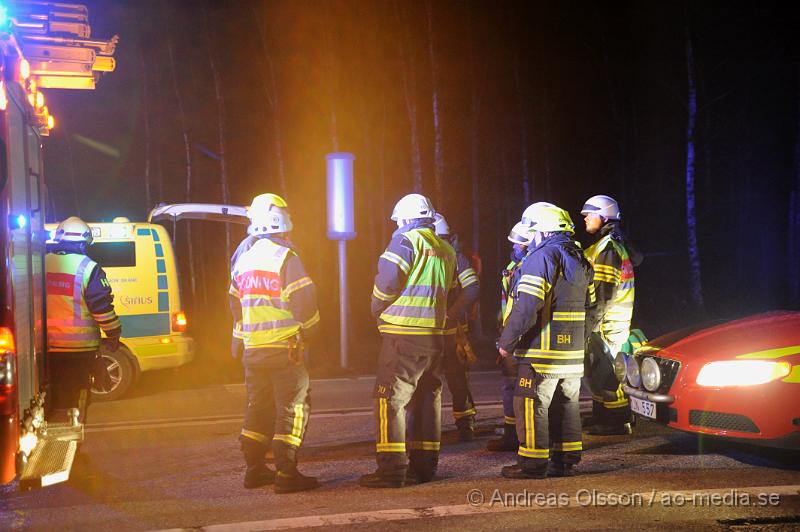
(581, 98)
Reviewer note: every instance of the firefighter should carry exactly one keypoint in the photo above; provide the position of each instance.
(545, 331)
(80, 304)
(409, 299)
(274, 307)
(520, 239)
(458, 353)
(609, 323)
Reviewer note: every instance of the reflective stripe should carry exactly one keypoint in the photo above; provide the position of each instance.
(390, 447)
(465, 413)
(386, 328)
(70, 324)
(297, 285)
(383, 419)
(532, 290)
(423, 312)
(288, 438)
(396, 259)
(425, 445)
(264, 301)
(266, 325)
(533, 453)
(77, 289)
(508, 420)
(569, 316)
(257, 436)
(383, 296)
(313, 320)
(567, 446)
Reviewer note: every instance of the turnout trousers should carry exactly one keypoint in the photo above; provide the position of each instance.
(277, 407)
(508, 387)
(456, 373)
(409, 375)
(70, 375)
(610, 405)
(548, 419)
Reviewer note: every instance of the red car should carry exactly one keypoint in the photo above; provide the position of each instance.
(739, 379)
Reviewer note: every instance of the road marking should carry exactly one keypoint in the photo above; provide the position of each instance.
(382, 516)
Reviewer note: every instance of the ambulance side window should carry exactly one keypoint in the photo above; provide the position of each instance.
(113, 254)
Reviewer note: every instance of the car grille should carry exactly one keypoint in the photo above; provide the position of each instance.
(669, 370)
(719, 420)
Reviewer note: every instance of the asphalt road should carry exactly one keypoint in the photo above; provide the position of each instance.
(170, 459)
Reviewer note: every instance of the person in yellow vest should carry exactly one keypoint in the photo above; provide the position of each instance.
(409, 299)
(458, 354)
(545, 331)
(274, 307)
(609, 322)
(80, 304)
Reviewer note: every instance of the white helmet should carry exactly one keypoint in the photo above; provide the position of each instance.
(269, 214)
(440, 225)
(520, 234)
(73, 229)
(413, 207)
(604, 206)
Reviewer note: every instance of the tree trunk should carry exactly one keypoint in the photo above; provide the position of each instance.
(221, 122)
(188, 154)
(147, 135)
(794, 221)
(409, 91)
(522, 119)
(271, 94)
(438, 167)
(695, 281)
(474, 137)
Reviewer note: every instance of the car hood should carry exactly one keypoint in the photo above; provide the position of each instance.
(762, 336)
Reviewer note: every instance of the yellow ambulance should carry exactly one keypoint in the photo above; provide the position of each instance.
(140, 265)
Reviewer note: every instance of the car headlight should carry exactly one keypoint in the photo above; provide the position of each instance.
(632, 371)
(620, 367)
(651, 374)
(742, 372)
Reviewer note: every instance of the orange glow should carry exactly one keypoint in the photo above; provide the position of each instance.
(51, 122)
(32, 85)
(6, 339)
(179, 321)
(24, 69)
(3, 97)
(166, 340)
(39, 100)
(31, 99)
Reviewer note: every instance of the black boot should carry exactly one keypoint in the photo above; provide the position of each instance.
(605, 429)
(384, 479)
(257, 473)
(560, 469)
(507, 442)
(466, 430)
(292, 480)
(516, 471)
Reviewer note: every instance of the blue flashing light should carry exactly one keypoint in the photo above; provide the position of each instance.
(22, 221)
(4, 18)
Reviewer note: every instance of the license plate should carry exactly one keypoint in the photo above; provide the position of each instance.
(643, 407)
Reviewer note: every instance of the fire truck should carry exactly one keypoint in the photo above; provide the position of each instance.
(44, 46)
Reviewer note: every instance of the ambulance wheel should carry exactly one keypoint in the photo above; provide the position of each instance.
(121, 374)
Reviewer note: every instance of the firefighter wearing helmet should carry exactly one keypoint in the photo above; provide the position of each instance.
(409, 300)
(520, 237)
(545, 332)
(613, 260)
(458, 353)
(80, 304)
(274, 307)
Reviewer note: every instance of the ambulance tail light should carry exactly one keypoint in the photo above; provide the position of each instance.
(179, 321)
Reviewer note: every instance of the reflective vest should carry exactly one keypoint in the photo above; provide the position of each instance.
(423, 301)
(70, 325)
(506, 301)
(267, 320)
(616, 322)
